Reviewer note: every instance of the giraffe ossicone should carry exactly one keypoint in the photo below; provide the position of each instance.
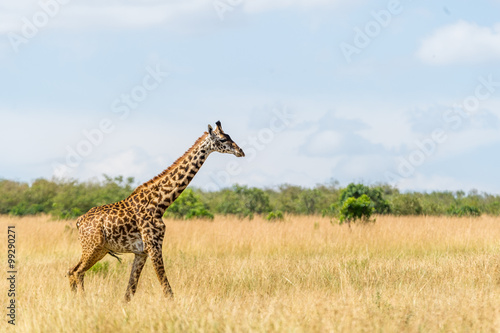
(135, 224)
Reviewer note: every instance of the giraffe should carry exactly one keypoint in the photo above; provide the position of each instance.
(135, 225)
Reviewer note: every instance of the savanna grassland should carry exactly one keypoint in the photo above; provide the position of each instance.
(401, 274)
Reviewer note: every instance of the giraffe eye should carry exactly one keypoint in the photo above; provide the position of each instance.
(223, 140)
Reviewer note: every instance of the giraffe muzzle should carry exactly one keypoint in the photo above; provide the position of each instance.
(239, 153)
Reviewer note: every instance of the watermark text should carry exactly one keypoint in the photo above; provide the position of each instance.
(11, 274)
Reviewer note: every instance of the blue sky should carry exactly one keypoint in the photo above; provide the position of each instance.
(401, 92)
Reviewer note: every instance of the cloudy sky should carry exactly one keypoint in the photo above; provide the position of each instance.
(401, 92)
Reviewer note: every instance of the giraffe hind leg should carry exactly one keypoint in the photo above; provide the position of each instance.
(89, 258)
(72, 277)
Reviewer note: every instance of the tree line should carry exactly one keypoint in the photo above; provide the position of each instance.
(68, 199)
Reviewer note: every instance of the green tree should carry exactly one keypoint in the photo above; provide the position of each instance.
(74, 198)
(11, 195)
(354, 209)
(406, 204)
(112, 189)
(380, 205)
(491, 204)
(188, 206)
(288, 198)
(464, 211)
(436, 203)
(40, 196)
(244, 202)
(298, 200)
(309, 199)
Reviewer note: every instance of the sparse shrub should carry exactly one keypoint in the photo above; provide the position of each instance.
(355, 209)
(276, 215)
(100, 267)
(68, 229)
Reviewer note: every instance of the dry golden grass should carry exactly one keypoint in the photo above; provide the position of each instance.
(304, 275)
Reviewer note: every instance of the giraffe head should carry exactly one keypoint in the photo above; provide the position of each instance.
(221, 142)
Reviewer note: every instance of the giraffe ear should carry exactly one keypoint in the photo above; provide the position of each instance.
(210, 129)
(219, 125)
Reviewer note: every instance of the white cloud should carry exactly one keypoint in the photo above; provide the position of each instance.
(368, 168)
(143, 15)
(103, 13)
(131, 162)
(441, 182)
(253, 6)
(459, 143)
(324, 143)
(462, 42)
(434, 182)
(135, 14)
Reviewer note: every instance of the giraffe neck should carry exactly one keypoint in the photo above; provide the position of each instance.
(157, 194)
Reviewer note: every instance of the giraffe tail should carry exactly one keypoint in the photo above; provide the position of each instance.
(78, 222)
(116, 255)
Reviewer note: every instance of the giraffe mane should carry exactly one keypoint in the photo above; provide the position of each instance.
(145, 185)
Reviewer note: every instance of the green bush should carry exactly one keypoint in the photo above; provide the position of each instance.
(243, 202)
(12, 194)
(74, 198)
(67, 199)
(188, 206)
(275, 215)
(287, 198)
(380, 205)
(100, 267)
(332, 210)
(355, 209)
(406, 204)
(492, 208)
(294, 199)
(464, 211)
(436, 203)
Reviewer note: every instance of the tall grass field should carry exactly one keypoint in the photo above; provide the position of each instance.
(303, 274)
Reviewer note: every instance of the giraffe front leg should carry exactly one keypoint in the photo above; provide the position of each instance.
(152, 236)
(157, 259)
(153, 247)
(137, 266)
